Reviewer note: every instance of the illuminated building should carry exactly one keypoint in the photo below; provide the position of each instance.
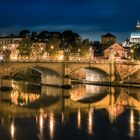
(115, 51)
(135, 36)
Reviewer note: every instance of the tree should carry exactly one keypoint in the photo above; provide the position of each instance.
(6, 54)
(25, 47)
(34, 36)
(84, 47)
(43, 35)
(68, 37)
(24, 33)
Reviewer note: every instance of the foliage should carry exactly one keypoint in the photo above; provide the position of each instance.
(68, 41)
(6, 54)
(24, 33)
(25, 47)
(84, 47)
(68, 37)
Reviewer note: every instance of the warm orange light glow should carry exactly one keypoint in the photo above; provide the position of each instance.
(132, 121)
(62, 114)
(131, 50)
(51, 125)
(90, 121)
(61, 57)
(52, 47)
(12, 130)
(79, 118)
(41, 122)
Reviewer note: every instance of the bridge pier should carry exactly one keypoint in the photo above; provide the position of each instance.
(111, 71)
(5, 84)
(55, 80)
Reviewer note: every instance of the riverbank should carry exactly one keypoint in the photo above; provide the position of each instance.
(120, 84)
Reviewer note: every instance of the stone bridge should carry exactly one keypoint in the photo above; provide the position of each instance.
(58, 72)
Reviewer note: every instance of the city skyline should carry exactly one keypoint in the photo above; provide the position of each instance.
(89, 18)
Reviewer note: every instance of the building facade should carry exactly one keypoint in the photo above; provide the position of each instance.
(115, 52)
(9, 45)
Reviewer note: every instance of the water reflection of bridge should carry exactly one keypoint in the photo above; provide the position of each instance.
(60, 100)
(48, 102)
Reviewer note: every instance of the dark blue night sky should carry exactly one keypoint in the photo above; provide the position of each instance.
(89, 18)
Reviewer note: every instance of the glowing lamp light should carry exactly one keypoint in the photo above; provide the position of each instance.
(4, 47)
(61, 57)
(12, 130)
(1, 57)
(52, 47)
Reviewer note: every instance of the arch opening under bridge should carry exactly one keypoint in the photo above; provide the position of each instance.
(90, 74)
(41, 75)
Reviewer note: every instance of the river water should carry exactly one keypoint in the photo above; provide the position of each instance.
(85, 112)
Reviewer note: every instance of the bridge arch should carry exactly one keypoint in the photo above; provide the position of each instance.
(46, 76)
(90, 74)
(41, 70)
(91, 67)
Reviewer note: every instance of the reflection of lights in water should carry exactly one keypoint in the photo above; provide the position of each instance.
(25, 97)
(41, 122)
(79, 118)
(62, 115)
(12, 130)
(51, 125)
(132, 121)
(36, 119)
(139, 123)
(90, 121)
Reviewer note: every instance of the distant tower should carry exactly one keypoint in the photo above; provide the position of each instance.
(108, 39)
(135, 36)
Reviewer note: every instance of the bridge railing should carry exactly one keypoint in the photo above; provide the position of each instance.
(94, 60)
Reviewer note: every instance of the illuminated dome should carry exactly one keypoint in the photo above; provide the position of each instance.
(135, 36)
